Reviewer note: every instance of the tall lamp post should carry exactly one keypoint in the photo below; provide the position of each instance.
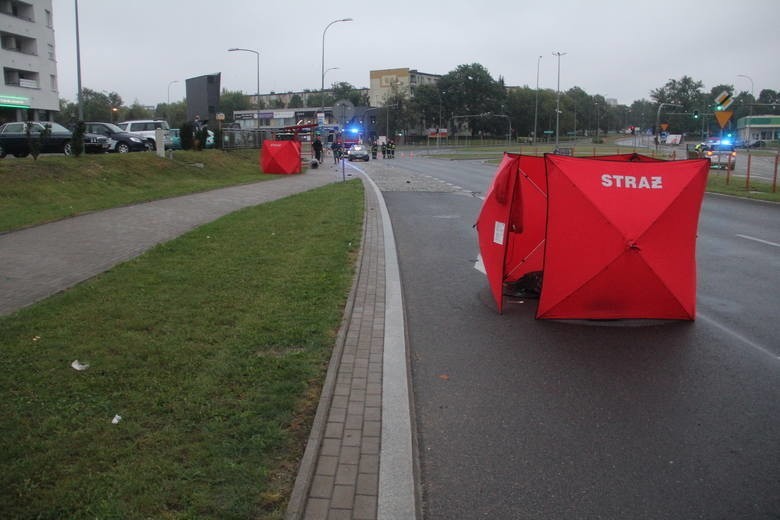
(322, 86)
(78, 65)
(438, 133)
(168, 106)
(169, 89)
(536, 100)
(558, 99)
(750, 116)
(257, 104)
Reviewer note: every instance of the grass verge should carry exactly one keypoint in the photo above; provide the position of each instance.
(54, 187)
(211, 348)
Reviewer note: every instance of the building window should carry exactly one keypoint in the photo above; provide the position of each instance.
(53, 79)
(49, 22)
(52, 57)
(20, 78)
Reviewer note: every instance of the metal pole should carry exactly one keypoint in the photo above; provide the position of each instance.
(322, 86)
(257, 98)
(558, 100)
(536, 101)
(78, 65)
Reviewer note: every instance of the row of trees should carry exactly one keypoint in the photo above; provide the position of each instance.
(469, 99)
(470, 91)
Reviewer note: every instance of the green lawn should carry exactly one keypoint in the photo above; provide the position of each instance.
(212, 349)
(55, 187)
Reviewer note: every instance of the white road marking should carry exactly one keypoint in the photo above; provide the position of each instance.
(738, 336)
(767, 242)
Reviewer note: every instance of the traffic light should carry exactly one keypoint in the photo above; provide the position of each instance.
(696, 114)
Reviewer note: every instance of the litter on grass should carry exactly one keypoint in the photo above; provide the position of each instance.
(116, 419)
(77, 365)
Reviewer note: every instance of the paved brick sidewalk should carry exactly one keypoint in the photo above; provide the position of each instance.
(358, 463)
(40, 261)
(339, 475)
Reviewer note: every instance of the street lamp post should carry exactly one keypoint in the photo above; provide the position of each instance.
(169, 89)
(257, 99)
(438, 133)
(322, 86)
(558, 100)
(168, 106)
(78, 65)
(536, 100)
(597, 123)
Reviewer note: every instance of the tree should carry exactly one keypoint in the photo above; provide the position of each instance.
(230, 101)
(137, 111)
(344, 90)
(425, 107)
(175, 113)
(471, 91)
(295, 101)
(687, 93)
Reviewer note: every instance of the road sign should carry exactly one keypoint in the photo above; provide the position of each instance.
(724, 100)
(548, 132)
(723, 117)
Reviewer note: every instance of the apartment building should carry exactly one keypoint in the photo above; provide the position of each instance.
(28, 90)
(386, 82)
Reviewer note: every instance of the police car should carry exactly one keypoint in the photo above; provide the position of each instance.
(722, 155)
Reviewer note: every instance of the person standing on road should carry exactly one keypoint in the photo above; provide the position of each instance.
(317, 147)
(384, 150)
(336, 147)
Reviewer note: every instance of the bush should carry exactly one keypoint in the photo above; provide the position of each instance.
(35, 144)
(77, 141)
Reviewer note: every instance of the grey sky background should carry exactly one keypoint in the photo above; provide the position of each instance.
(619, 49)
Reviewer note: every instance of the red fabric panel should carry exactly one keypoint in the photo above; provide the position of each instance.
(281, 157)
(620, 239)
(492, 225)
(525, 247)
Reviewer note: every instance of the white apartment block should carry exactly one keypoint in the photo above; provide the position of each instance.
(28, 90)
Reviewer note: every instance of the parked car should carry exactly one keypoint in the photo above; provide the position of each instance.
(95, 143)
(13, 139)
(358, 151)
(118, 140)
(146, 128)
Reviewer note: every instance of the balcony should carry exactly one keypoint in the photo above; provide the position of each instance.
(21, 10)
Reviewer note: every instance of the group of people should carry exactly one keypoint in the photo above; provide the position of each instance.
(388, 149)
(336, 147)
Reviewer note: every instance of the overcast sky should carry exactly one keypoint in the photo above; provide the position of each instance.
(617, 48)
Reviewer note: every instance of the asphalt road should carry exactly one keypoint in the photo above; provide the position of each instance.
(519, 418)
